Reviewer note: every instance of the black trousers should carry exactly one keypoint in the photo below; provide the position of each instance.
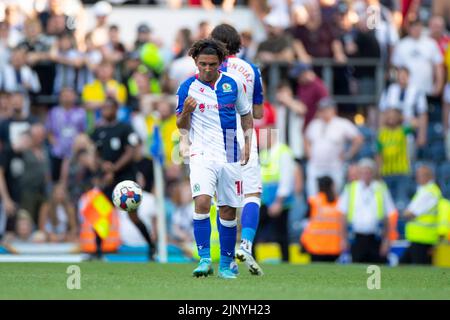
(417, 253)
(274, 229)
(366, 249)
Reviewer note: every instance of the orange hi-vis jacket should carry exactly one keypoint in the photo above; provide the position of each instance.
(99, 215)
(323, 235)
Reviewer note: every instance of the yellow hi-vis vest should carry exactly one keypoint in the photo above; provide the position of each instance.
(380, 188)
(444, 218)
(423, 229)
(270, 172)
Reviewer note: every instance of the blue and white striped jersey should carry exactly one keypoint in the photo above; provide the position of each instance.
(250, 76)
(215, 119)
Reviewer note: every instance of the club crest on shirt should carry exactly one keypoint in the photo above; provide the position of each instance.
(226, 87)
(201, 107)
(196, 187)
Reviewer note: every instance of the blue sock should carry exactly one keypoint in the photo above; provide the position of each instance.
(227, 236)
(250, 220)
(202, 234)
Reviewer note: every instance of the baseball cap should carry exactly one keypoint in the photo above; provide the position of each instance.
(298, 69)
(143, 28)
(102, 9)
(367, 163)
(326, 102)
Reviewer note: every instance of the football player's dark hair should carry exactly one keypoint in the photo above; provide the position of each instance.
(229, 36)
(208, 47)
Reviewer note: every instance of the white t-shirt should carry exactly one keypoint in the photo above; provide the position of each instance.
(129, 233)
(328, 141)
(414, 102)
(365, 219)
(419, 56)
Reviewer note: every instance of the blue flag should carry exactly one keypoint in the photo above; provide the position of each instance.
(156, 148)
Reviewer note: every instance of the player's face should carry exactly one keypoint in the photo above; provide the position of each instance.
(208, 66)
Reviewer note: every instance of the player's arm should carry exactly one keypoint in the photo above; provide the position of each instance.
(244, 109)
(247, 127)
(258, 96)
(184, 117)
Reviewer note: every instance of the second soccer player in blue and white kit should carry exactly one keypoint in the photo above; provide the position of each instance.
(250, 76)
(209, 105)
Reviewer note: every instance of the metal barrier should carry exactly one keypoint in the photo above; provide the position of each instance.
(327, 76)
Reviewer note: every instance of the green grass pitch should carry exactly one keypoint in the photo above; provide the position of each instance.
(174, 281)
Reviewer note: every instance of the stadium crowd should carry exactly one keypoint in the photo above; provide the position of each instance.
(56, 77)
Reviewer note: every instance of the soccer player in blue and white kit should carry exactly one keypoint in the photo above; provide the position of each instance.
(250, 76)
(209, 105)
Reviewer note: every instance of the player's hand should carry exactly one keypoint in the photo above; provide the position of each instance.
(189, 105)
(9, 206)
(245, 154)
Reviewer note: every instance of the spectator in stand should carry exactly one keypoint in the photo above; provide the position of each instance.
(362, 43)
(413, 105)
(115, 50)
(95, 93)
(55, 8)
(5, 110)
(149, 52)
(317, 37)
(183, 66)
(18, 122)
(161, 115)
(393, 158)
(64, 123)
(386, 29)
(68, 60)
(58, 217)
(4, 46)
(37, 46)
(248, 49)
(421, 55)
(78, 176)
(367, 205)
(436, 27)
(278, 45)
(442, 8)
(23, 230)
(325, 141)
(100, 36)
(19, 77)
(13, 17)
(181, 229)
(12, 168)
(310, 89)
(204, 29)
(446, 104)
(290, 119)
(37, 179)
(92, 57)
